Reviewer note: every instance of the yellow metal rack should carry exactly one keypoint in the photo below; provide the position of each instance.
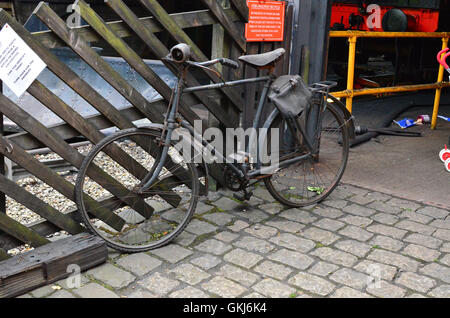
(350, 92)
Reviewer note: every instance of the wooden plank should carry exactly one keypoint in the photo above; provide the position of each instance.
(183, 20)
(15, 153)
(250, 89)
(72, 156)
(180, 36)
(38, 206)
(21, 232)
(241, 7)
(158, 48)
(227, 24)
(4, 255)
(48, 264)
(67, 113)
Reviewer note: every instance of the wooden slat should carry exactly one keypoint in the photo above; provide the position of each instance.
(227, 24)
(3, 255)
(21, 232)
(38, 206)
(15, 153)
(49, 263)
(241, 7)
(180, 36)
(183, 20)
(158, 48)
(250, 89)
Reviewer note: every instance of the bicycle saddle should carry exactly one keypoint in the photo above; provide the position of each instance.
(264, 59)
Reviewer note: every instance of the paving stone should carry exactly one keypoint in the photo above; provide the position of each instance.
(329, 224)
(334, 256)
(415, 227)
(271, 208)
(387, 230)
(403, 262)
(404, 204)
(238, 226)
(203, 208)
(112, 276)
(351, 278)
(219, 218)
(254, 215)
(354, 247)
(94, 290)
(213, 246)
(385, 218)
(286, 226)
(377, 270)
(238, 275)
(26, 296)
(262, 193)
(262, 231)
(424, 253)
(445, 260)
(442, 234)
(383, 207)
(298, 215)
(385, 290)
(323, 269)
(158, 284)
(199, 227)
(62, 294)
(42, 291)
(441, 224)
(361, 199)
(416, 296)
(254, 244)
(356, 220)
(423, 240)
(68, 283)
(188, 292)
(416, 217)
(445, 248)
(327, 212)
(353, 189)
(319, 235)
(274, 270)
(297, 260)
(141, 293)
(347, 292)
(338, 204)
(359, 210)
(185, 239)
(172, 253)
(377, 196)
(273, 289)
(387, 243)
(356, 233)
(253, 295)
(242, 258)
(139, 264)
(224, 287)
(226, 204)
(189, 274)
(207, 261)
(442, 291)
(293, 242)
(416, 282)
(437, 271)
(312, 283)
(226, 236)
(433, 212)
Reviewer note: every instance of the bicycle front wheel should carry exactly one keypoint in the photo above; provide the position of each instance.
(109, 200)
(310, 180)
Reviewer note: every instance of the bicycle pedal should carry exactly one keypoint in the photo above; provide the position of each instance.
(246, 196)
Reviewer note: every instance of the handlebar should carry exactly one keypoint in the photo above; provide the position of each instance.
(443, 60)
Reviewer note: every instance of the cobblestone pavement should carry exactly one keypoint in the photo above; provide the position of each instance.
(357, 243)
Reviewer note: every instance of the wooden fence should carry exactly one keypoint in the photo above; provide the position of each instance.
(225, 106)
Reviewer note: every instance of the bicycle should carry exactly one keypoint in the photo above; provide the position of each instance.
(162, 188)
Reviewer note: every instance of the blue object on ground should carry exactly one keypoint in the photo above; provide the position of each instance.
(405, 123)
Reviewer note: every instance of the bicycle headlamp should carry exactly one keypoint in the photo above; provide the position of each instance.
(180, 53)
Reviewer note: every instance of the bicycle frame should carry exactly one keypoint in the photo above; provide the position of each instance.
(172, 123)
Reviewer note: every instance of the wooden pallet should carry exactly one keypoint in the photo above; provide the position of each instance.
(48, 264)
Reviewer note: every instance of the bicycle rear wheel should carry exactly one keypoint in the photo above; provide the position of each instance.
(114, 209)
(311, 180)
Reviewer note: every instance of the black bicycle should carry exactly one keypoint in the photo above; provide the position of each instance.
(308, 151)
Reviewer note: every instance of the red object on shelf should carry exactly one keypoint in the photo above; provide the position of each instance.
(419, 20)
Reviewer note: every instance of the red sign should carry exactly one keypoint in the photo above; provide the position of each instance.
(265, 21)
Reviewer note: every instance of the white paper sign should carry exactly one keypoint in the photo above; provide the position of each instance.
(19, 64)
